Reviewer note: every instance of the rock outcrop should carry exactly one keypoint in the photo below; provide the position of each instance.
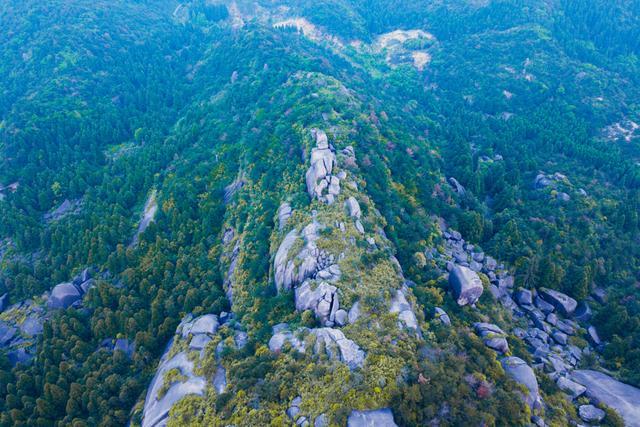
(602, 388)
(493, 336)
(401, 307)
(562, 302)
(522, 373)
(321, 184)
(373, 418)
(322, 299)
(465, 285)
(284, 213)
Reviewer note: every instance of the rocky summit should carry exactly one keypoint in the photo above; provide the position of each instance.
(319, 213)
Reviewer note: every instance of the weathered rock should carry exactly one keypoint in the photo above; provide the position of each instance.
(493, 336)
(401, 306)
(583, 312)
(353, 207)
(600, 295)
(32, 326)
(20, 355)
(590, 413)
(342, 317)
(623, 398)
(593, 335)
(200, 341)
(562, 302)
(523, 296)
(63, 296)
(4, 299)
(354, 312)
(544, 306)
(284, 268)
(571, 387)
(281, 335)
(442, 316)
(338, 347)
(373, 418)
(125, 346)
(284, 213)
(323, 300)
(156, 407)
(457, 186)
(220, 380)
(465, 285)
(522, 373)
(321, 421)
(206, 324)
(7, 333)
(560, 337)
(359, 226)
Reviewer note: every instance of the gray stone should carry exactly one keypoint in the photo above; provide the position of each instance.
(544, 306)
(493, 336)
(591, 414)
(4, 299)
(442, 316)
(7, 333)
(571, 387)
(583, 312)
(220, 380)
(457, 186)
(523, 296)
(400, 306)
(373, 418)
(284, 213)
(600, 295)
(354, 312)
(321, 421)
(338, 347)
(560, 337)
(292, 412)
(281, 336)
(206, 324)
(359, 226)
(125, 346)
(522, 373)
(32, 326)
(593, 335)
(466, 285)
(63, 296)
(19, 355)
(565, 327)
(623, 398)
(552, 319)
(562, 302)
(198, 342)
(353, 207)
(323, 300)
(342, 317)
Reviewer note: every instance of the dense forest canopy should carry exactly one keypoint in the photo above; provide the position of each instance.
(155, 164)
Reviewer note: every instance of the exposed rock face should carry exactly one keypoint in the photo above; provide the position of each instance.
(319, 177)
(64, 295)
(156, 407)
(311, 260)
(162, 396)
(373, 418)
(571, 387)
(522, 373)
(590, 413)
(457, 186)
(465, 285)
(564, 303)
(625, 399)
(323, 300)
(281, 335)
(353, 207)
(442, 315)
(493, 336)
(148, 216)
(327, 340)
(338, 347)
(523, 296)
(284, 213)
(583, 312)
(401, 306)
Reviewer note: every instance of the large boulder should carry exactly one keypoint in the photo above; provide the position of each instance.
(590, 413)
(465, 285)
(323, 300)
(373, 418)
(284, 213)
(338, 347)
(492, 336)
(353, 207)
(64, 295)
(442, 316)
(602, 388)
(522, 373)
(562, 302)
(401, 307)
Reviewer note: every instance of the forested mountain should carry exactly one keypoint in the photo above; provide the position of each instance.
(329, 212)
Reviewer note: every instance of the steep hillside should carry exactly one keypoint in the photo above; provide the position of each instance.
(319, 213)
